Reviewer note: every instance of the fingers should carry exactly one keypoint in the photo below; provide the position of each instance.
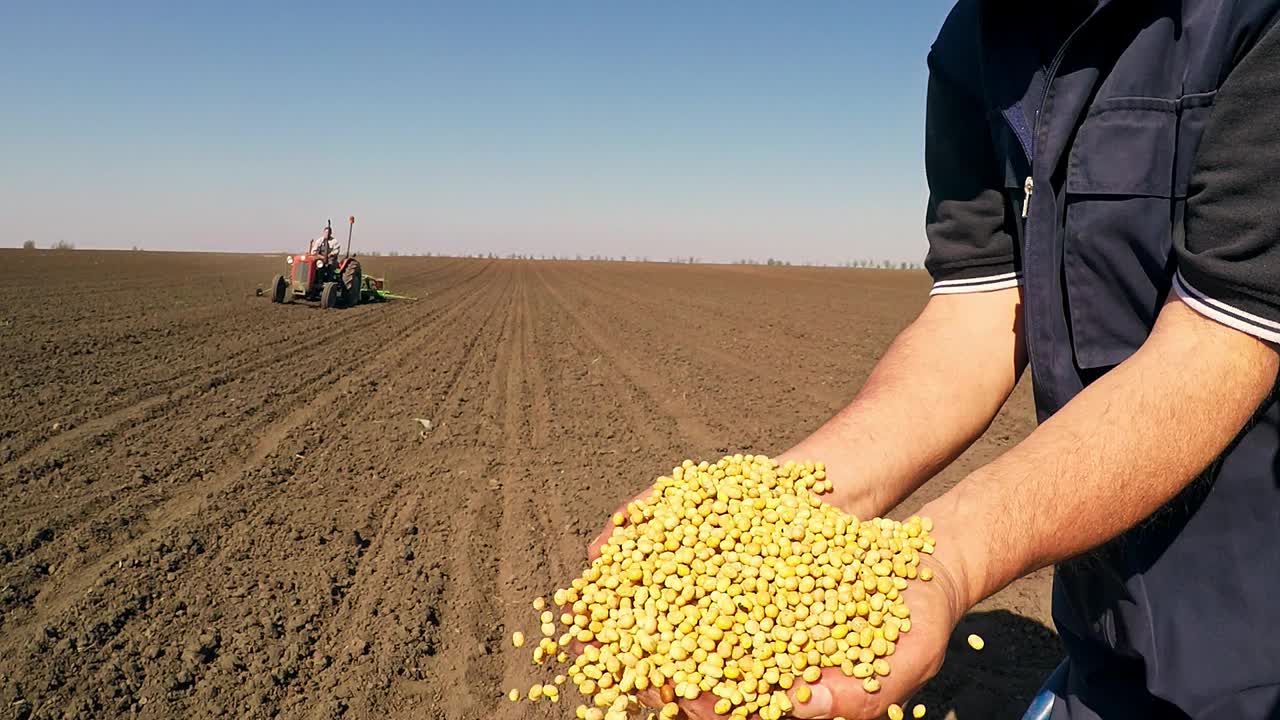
(593, 549)
(835, 695)
(701, 709)
(650, 698)
(576, 646)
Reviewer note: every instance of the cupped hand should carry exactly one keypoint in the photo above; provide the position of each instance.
(936, 606)
(593, 549)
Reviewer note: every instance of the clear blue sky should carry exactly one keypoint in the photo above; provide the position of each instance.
(716, 129)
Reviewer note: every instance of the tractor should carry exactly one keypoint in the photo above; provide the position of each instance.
(319, 275)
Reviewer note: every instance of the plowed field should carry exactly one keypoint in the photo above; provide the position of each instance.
(211, 506)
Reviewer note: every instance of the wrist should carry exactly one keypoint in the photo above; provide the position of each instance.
(963, 550)
(854, 499)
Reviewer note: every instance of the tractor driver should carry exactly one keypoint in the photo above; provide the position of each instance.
(323, 245)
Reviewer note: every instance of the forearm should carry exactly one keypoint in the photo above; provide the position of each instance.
(934, 392)
(1116, 453)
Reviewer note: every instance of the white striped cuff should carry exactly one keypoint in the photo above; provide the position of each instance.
(978, 284)
(1246, 322)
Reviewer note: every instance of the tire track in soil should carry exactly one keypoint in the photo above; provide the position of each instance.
(490, 368)
(615, 418)
(92, 512)
(531, 512)
(160, 406)
(703, 354)
(638, 408)
(266, 446)
(192, 497)
(743, 410)
(450, 406)
(469, 599)
(686, 421)
(394, 359)
(541, 431)
(242, 362)
(374, 580)
(459, 591)
(390, 361)
(496, 525)
(180, 388)
(234, 364)
(613, 436)
(563, 509)
(384, 360)
(402, 510)
(534, 510)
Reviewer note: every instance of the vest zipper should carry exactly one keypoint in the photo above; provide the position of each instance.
(1029, 185)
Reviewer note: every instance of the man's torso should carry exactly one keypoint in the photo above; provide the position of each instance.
(1104, 112)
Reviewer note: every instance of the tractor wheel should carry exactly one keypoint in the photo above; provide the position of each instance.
(279, 288)
(330, 294)
(351, 281)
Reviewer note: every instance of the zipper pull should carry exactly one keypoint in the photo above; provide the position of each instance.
(1027, 188)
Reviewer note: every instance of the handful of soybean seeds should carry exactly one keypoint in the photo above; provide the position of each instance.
(733, 578)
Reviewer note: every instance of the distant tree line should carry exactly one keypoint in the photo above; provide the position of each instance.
(59, 245)
(683, 260)
(867, 264)
(689, 260)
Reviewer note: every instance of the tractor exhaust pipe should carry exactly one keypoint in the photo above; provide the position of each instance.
(351, 224)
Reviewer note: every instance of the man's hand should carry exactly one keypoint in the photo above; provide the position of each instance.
(593, 549)
(936, 607)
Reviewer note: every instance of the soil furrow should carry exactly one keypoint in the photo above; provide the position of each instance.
(193, 496)
(663, 396)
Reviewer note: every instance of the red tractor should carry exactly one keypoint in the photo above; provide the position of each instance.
(319, 275)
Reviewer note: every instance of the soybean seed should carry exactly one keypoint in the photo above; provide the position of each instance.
(734, 578)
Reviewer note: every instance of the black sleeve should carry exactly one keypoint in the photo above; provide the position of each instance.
(1228, 252)
(970, 246)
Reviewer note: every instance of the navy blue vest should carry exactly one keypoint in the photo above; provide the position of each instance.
(1179, 617)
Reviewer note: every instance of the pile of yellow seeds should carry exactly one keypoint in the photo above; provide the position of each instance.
(735, 579)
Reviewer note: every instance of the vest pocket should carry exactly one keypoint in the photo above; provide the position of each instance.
(1119, 199)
